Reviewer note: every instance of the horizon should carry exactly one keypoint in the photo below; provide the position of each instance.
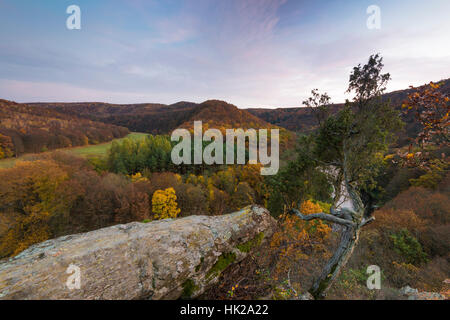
(252, 54)
(200, 102)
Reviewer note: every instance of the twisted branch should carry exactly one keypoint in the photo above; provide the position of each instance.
(324, 216)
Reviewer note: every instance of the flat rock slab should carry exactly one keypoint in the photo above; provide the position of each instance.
(164, 259)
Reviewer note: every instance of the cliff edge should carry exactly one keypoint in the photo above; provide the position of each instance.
(165, 259)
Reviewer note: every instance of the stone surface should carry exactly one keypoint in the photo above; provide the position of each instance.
(164, 259)
(426, 296)
(408, 290)
(306, 296)
(414, 294)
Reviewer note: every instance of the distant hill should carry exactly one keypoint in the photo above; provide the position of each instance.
(219, 114)
(301, 120)
(150, 118)
(162, 119)
(294, 119)
(33, 129)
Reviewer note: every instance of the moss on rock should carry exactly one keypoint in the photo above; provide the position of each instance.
(189, 287)
(224, 261)
(249, 245)
(198, 267)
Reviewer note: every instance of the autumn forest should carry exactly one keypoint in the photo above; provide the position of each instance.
(389, 152)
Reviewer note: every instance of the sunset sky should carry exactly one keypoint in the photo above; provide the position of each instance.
(252, 53)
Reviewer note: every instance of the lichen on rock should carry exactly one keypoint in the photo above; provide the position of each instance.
(165, 259)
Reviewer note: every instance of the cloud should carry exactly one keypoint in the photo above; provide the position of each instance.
(252, 53)
(58, 91)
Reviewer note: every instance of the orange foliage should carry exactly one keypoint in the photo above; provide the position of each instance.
(28, 230)
(309, 207)
(35, 190)
(395, 220)
(297, 240)
(431, 108)
(433, 206)
(33, 129)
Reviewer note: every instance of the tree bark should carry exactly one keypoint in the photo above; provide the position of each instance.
(333, 268)
(325, 217)
(352, 221)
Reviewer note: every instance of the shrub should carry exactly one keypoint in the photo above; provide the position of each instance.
(433, 176)
(408, 247)
(393, 220)
(300, 247)
(435, 240)
(433, 206)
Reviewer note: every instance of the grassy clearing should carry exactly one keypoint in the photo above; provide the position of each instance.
(85, 151)
(102, 149)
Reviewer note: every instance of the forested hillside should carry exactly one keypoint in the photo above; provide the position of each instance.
(162, 119)
(150, 118)
(301, 119)
(33, 129)
(406, 188)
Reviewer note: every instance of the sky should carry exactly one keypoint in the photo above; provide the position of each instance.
(251, 53)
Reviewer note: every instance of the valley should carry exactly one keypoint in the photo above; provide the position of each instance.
(99, 150)
(237, 151)
(91, 170)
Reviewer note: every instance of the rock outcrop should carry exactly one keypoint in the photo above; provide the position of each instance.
(414, 294)
(164, 259)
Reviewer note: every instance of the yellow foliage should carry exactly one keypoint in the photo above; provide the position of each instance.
(295, 238)
(36, 191)
(33, 185)
(164, 204)
(138, 177)
(28, 230)
(309, 207)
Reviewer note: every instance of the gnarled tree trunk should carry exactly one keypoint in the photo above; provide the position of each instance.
(352, 220)
(330, 273)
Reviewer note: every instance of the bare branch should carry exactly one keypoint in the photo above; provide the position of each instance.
(289, 283)
(366, 221)
(344, 213)
(323, 216)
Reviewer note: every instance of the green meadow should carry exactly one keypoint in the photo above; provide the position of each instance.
(85, 151)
